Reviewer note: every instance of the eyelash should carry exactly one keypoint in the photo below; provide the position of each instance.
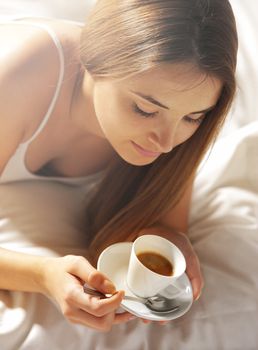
(143, 113)
(153, 114)
(194, 121)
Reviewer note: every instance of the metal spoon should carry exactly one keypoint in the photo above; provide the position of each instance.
(157, 303)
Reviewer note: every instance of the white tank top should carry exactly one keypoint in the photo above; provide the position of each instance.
(15, 169)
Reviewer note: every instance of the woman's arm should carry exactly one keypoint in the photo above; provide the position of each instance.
(20, 271)
(29, 71)
(62, 279)
(174, 226)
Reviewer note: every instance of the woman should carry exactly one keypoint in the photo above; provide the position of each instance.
(139, 104)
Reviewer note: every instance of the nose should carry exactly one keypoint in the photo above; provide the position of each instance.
(163, 139)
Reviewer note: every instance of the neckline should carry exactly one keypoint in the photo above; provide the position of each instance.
(24, 145)
(65, 179)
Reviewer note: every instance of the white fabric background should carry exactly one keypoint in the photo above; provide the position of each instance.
(44, 219)
(72, 10)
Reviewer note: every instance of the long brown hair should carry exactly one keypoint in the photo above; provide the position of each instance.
(123, 38)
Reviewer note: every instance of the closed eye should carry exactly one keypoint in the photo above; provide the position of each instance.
(187, 118)
(138, 110)
(197, 121)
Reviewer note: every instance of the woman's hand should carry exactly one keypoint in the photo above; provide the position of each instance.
(63, 280)
(192, 262)
(183, 243)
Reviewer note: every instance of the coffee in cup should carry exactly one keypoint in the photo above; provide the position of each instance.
(155, 263)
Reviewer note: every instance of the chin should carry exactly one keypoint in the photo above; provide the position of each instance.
(137, 162)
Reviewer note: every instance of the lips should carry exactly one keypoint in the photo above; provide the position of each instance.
(144, 152)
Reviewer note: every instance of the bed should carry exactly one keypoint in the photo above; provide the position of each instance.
(223, 229)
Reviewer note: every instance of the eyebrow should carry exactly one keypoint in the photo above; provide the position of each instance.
(150, 99)
(157, 103)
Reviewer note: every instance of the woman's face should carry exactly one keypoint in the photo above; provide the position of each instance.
(153, 112)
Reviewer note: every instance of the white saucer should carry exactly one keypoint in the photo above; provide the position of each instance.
(113, 262)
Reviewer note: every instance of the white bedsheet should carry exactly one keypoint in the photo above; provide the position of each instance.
(224, 231)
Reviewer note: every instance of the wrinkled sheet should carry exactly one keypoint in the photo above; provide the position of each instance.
(44, 218)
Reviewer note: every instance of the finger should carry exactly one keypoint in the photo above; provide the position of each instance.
(95, 305)
(80, 267)
(145, 321)
(99, 281)
(103, 323)
(197, 288)
(123, 318)
(105, 306)
(163, 323)
(193, 271)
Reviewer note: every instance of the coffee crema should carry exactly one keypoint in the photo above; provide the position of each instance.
(156, 263)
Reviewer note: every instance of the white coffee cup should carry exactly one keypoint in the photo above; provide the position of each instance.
(142, 281)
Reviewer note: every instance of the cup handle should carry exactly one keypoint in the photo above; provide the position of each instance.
(173, 290)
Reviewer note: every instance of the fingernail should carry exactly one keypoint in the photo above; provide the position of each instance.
(108, 287)
(198, 296)
(131, 317)
(196, 290)
(146, 321)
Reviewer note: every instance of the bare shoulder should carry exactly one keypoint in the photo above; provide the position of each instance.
(30, 62)
(30, 67)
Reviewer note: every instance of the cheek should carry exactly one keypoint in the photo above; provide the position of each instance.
(104, 110)
(115, 115)
(184, 133)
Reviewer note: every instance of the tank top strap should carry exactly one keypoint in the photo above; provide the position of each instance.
(58, 45)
